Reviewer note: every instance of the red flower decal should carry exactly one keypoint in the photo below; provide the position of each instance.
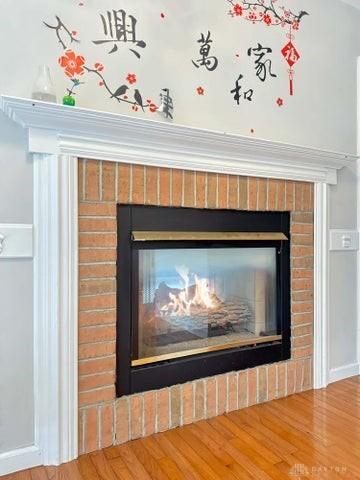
(200, 91)
(74, 33)
(238, 10)
(131, 78)
(101, 84)
(252, 17)
(99, 67)
(162, 15)
(72, 63)
(280, 102)
(295, 25)
(267, 19)
(153, 107)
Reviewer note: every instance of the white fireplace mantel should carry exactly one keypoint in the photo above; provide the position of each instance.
(58, 129)
(57, 136)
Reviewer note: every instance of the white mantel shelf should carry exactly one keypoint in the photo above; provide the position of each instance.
(57, 129)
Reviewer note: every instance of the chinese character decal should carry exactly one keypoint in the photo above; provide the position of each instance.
(236, 91)
(209, 62)
(263, 65)
(119, 27)
(167, 105)
(270, 14)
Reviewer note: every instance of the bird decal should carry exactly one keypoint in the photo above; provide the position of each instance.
(120, 91)
(301, 14)
(138, 99)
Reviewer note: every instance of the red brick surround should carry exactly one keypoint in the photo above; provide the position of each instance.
(105, 420)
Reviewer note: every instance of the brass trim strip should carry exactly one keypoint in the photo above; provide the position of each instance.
(214, 348)
(147, 236)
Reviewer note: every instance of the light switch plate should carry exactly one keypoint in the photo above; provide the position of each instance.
(344, 240)
(16, 241)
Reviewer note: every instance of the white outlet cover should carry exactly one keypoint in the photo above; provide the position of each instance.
(344, 240)
(16, 241)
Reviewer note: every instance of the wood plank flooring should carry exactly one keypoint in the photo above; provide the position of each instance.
(315, 434)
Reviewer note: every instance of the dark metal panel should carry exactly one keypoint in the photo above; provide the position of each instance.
(135, 217)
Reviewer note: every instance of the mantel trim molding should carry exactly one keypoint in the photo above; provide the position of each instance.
(57, 129)
(57, 136)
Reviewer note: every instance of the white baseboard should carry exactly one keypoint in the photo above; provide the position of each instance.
(20, 459)
(340, 373)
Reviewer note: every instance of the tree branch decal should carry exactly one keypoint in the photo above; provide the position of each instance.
(59, 28)
(266, 11)
(75, 66)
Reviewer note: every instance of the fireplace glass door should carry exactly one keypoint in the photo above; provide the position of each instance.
(196, 300)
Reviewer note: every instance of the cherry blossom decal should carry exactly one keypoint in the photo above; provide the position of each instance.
(267, 12)
(131, 78)
(72, 64)
(280, 102)
(75, 67)
(200, 90)
(270, 14)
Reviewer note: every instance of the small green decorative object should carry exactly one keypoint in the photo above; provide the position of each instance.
(69, 100)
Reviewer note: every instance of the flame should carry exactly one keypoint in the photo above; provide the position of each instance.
(196, 296)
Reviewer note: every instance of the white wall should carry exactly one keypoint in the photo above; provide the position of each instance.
(343, 266)
(16, 318)
(343, 316)
(322, 113)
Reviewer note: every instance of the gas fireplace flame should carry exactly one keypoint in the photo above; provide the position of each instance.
(193, 296)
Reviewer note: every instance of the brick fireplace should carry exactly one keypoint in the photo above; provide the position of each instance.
(74, 364)
(105, 420)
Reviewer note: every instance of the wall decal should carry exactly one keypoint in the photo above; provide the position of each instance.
(166, 107)
(280, 102)
(60, 30)
(262, 67)
(131, 78)
(209, 62)
(237, 89)
(72, 64)
(291, 56)
(119, 27)
(75, 66)
(200, 90)
(271, 14)
(267, 12)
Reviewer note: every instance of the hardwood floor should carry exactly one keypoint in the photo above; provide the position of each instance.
(315, 434)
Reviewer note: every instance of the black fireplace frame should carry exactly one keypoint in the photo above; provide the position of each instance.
(180, 370)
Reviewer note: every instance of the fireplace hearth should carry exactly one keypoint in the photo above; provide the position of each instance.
(200, 292)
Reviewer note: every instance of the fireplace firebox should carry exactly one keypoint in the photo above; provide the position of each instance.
(199, 293)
